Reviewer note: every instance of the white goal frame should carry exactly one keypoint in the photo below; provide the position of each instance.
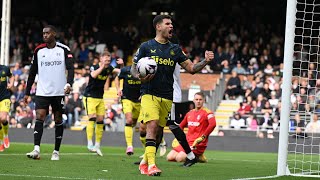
(283, 151)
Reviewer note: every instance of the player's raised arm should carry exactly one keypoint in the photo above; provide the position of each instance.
(194, 68)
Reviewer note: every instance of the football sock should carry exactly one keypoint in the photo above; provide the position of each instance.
(58, 134)
(1, 134)
(90, 129)
(144, 159)
(5, 127)
(37, 148)
(37, 132)
(128, 132)
(151, 151)
(191, 155)
(99, 132)
(181, 137)
(143, 139)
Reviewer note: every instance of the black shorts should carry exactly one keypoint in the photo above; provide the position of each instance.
(179, 110)
(56, 102)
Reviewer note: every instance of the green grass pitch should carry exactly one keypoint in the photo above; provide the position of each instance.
(77, 163)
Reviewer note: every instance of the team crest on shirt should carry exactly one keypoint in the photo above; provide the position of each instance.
(172, 53)
(153, 51)
(3, 72)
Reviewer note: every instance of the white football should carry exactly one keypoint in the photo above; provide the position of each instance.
(146, 65)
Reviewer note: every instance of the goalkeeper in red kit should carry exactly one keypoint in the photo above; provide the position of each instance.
(201, 122)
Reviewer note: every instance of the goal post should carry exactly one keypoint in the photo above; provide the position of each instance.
(299, 142)
(285, 97)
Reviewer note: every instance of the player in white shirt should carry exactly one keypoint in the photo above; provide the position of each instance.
(174, 120)
(50, 62)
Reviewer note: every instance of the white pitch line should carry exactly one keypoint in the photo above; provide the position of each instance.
(33, 176)
(265, 177)
(118, 154)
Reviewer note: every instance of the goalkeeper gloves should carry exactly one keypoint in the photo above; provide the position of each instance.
(198, 141)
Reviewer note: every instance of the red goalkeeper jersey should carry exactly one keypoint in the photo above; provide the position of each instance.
(199, 122)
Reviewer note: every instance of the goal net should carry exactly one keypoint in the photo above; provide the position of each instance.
(299, 142)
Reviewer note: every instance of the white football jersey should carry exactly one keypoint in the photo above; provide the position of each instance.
(51, 69)
(177, 97)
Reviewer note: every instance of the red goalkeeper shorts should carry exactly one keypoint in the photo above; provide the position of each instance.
(198, 151)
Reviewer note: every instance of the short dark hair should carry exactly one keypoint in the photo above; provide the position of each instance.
(158, 19)
(54, 29)
(105, 53)
(200, 94)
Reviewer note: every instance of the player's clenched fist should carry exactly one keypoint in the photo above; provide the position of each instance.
(209, 55)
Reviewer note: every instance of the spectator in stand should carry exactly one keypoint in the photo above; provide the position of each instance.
(76, 103)
(245, 108)
(83, 54)
(27, 54)
(16, 69)
(254, 107)
(260, 101)
(273, 101)
(20, 93)
(75, 50)
(278, 90)
(118, 52)
(244, 57)
(252, 122)
(266, 121)
(267, 108)
(225, 67)
(239, 69)
(14, 104)
(233, 86)
(253, 66)
(110, 117)
(268, 70)
(265, 91)
(254, 90)
(25, 73)
(299, 127)
(237, 122)
(245, 83)
(262, 63)
(232, 57)
(314, 125)
(219, 57)
(279, 72)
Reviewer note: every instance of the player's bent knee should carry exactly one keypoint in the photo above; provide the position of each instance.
(172, 155)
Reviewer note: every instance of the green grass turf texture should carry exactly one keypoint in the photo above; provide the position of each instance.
(115, 164)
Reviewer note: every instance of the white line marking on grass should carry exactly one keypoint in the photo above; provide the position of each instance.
(33, 176)
(265, 177)
(120, 154)
(242, 160)
(46, 154)
(105, 170)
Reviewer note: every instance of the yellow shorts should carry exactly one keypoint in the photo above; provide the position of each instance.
(129, 106)
(155, 108)
(94, 106)
(5, 105)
